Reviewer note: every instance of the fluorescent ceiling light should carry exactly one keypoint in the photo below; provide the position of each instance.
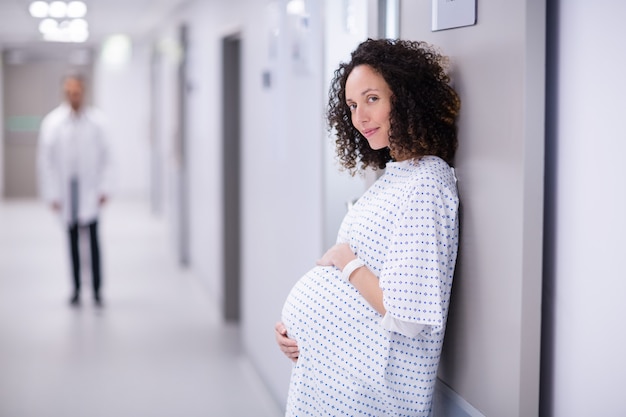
(64, 36)
(296, 7)
(76, 9)
(61, 21)
(58, 9)
(75, 30)
(48, 26)
(117, 51)
(38, 9)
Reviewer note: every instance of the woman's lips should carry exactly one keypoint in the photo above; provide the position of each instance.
(369, 132)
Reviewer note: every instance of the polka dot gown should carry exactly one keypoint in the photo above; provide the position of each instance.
(405, 228)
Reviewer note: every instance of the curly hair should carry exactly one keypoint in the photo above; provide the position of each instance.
(424, 107)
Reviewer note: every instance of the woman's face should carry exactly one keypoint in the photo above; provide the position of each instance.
(369, 98)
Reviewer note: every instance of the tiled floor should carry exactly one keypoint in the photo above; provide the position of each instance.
(156, 348)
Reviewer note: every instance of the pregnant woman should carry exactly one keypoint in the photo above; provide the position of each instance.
(365, 327)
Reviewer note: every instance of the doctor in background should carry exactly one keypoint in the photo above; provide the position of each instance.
(74, 170)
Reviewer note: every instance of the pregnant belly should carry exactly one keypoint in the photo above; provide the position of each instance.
(334, 326)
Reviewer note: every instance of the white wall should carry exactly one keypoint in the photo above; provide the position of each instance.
(121, 92)
(283, 136)
(588, 357)
(282, 141)
(205, 22)
(208, 23)
(339, 41)
(168, 54)
(492, 348)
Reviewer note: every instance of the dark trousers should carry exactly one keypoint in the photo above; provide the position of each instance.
(74, 230)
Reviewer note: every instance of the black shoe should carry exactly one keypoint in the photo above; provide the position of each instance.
(75, 300)
(97, 300)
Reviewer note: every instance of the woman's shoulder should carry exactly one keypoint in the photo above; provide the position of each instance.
(433, 170)
(414, 174)
(431, 175)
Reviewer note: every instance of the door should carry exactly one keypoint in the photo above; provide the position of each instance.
(32, 88)
(231, 84)
(181, 145)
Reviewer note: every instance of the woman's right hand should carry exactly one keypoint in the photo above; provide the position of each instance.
(287, 345)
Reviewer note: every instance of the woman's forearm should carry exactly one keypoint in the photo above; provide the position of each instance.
(362, 278)
(367, 284)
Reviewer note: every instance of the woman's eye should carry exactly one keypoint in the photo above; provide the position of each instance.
(352, 107)
(372, 99)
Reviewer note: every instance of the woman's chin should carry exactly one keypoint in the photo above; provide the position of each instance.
(377, 145)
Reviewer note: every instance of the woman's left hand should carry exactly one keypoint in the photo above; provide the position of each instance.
(338, 255)
(288, 346)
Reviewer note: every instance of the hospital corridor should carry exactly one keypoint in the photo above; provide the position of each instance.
(156, 347)
(215, 150)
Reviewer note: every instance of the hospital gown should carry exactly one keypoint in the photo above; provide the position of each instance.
(354, 362)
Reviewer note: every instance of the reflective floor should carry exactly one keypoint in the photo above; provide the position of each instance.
(155, 348)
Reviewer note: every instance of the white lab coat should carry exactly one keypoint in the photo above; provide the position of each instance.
(72, 144)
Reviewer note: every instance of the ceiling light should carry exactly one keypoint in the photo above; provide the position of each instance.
(117, 51)
(75, 30)
(48, 26)
(38, 9)
(78, 26)
(296, 7)
(58, 9)
(65, 35)
(76, 9)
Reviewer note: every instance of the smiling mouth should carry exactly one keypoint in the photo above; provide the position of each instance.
(369, 132)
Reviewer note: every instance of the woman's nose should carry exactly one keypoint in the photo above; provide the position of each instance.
(361, 115)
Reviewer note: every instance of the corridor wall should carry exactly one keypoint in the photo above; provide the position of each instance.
(282, 143)
(121, 92)
(585, 277)
(282, 193)
(205, 22)
(491, 353)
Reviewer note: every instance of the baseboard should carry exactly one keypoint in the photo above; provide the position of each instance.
(447, 403)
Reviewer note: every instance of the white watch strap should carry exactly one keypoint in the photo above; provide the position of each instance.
(350, 268)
